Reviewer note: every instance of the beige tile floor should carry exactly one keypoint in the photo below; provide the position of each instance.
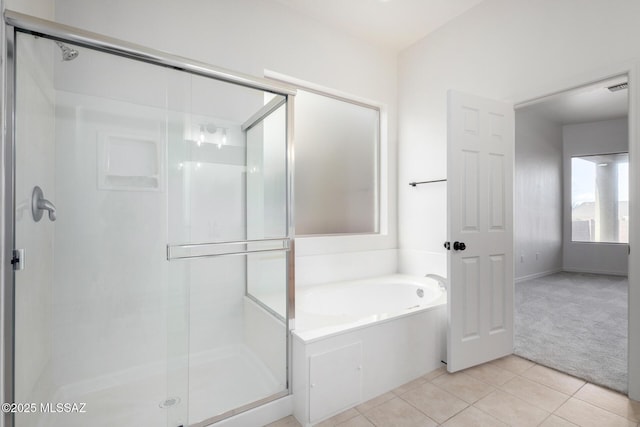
(506, 392)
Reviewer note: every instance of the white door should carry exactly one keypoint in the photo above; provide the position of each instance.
(480, 233)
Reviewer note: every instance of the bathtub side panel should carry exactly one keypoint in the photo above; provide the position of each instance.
(402, 350)
(300, 380)
(393, 353)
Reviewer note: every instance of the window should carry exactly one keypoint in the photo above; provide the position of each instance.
(600, 198)
(336, 165)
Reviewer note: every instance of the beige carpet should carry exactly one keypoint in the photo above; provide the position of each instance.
(575, 323)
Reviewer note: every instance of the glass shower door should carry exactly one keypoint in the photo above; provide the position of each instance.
(227, 228)
(99, 333)
(151, 218)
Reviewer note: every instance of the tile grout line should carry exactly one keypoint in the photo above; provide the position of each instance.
(561, 417)
(367, 418)
(573, 395)
(488, 414)
(495, 387)
(519, 375)
(605, 410)
(569, 396)
(581, 387)
(559, 372)
(546, 418)
(533, 404)
(601, 407)
(427, 415)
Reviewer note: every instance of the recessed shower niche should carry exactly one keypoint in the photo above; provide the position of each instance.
(129, 162)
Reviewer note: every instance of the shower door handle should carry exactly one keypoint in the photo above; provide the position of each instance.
(39, 204)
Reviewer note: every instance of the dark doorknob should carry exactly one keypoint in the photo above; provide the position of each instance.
(447, 245)
(459, 246)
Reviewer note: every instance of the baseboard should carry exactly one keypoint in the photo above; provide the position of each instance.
(603, 272)
(536, 275)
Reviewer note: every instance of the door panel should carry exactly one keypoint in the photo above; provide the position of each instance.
(95, 314)
(480, 161)
(33, 309)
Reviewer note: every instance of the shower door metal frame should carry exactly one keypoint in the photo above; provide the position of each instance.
(15, 22)
(7, 223)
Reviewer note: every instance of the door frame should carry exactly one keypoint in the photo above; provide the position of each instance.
(632, 71)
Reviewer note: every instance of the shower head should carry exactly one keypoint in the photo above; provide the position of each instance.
(67, 53)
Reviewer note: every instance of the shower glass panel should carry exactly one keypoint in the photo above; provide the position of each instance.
(266, 176)
(237, 348)
(170, 194)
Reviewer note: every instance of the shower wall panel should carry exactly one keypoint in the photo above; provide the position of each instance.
(117, 289)
(216, 199)
(110, 271)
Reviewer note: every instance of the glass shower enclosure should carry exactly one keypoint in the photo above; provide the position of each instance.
(148, 225)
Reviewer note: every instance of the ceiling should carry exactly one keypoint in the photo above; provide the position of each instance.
(589, 103)
(397, 24)
(392, 24)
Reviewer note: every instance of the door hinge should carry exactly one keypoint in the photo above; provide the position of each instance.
(17, 260)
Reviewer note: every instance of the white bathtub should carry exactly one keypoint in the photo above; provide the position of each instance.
(322, 310)
(359, 339)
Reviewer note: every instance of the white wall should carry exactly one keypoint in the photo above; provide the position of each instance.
(538, 196)
(507, 50)
(608, 136)
(511, 50)
(44, 9)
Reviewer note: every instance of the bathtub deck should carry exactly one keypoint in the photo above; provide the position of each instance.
(374, 359)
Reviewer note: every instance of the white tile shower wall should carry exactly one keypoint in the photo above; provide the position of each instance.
(506, 50)
(214, 199)
(266, 336)
(119, 292)
(111, 285)
(216, 292)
